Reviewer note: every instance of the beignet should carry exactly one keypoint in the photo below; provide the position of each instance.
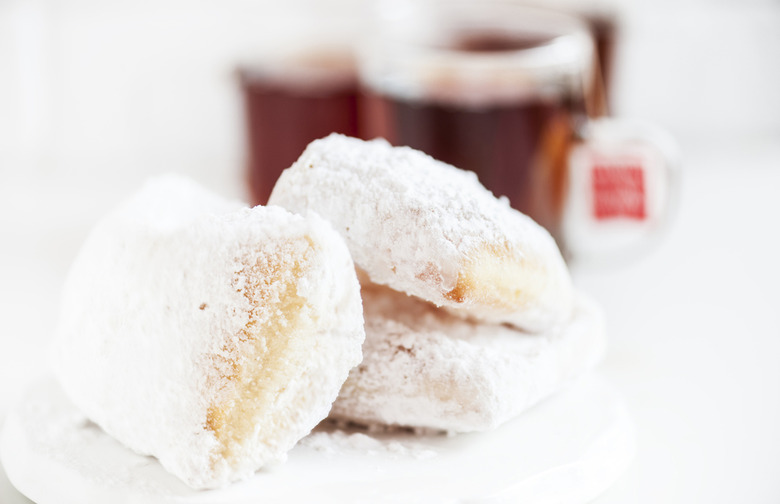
(428, 229)
(205, 333)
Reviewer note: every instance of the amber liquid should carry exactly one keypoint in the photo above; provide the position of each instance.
(603, 28)
(282, 118)
(517, 150)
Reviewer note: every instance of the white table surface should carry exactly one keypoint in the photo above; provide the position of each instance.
(694, 323)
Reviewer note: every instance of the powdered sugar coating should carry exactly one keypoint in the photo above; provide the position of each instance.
(431, 230)
(348, 442)
(157, 328)
(423, 367)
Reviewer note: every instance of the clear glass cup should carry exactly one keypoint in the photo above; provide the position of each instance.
(301, 87)
(288, 104)
(507, 91)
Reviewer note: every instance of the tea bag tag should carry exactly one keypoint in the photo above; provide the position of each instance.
(620, 182)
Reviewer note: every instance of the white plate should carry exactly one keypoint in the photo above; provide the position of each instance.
(568, 449)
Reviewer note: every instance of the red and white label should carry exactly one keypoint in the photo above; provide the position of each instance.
(619, 191)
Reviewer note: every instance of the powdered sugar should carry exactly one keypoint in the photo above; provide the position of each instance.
(424, 367)
(156, 319)
(340, 442)
(426, 228)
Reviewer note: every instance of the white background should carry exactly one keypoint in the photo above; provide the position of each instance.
(96, 95)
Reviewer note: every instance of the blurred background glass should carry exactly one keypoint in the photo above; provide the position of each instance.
(512, 92)
(101, 88)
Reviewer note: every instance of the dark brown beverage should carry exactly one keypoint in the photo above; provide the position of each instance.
(517, 150)
(513, 93)
(285, 110)
(477, 42)
(516, 141)
(603, 29)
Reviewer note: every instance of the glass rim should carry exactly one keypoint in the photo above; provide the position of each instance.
(393, 60)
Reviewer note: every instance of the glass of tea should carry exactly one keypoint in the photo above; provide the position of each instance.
(506, 91)
(290, 100)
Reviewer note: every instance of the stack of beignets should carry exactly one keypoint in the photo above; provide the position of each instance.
(214, 336)
(494, 324)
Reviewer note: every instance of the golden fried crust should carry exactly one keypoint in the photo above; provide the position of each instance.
(498, 278)
(260, 370)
